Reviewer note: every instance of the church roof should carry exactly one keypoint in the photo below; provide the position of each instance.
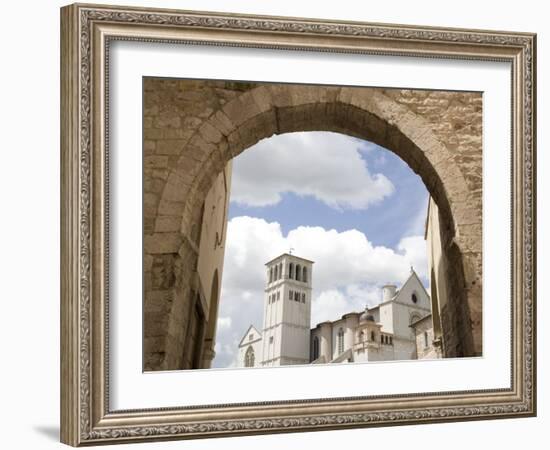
(248, 330)
(343, 317)
(413, 275)
(289, 254)
(422, 319)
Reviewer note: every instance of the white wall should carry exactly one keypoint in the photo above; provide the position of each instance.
(29, 182)
(256, 343)
(404, 308)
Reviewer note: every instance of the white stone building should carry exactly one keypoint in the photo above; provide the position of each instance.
(381, 333)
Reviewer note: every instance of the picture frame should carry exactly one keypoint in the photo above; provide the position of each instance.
(87, 31)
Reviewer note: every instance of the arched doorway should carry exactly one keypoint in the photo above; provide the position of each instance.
(255, 112)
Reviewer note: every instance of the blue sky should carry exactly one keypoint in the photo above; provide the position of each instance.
(354, 208)
(385, 223)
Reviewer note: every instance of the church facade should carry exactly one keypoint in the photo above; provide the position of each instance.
(398, 328)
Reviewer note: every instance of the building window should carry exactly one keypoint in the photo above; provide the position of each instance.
(291, 271)
(290, 295)
(249, 357)
(276, 273)
(304, 275)
(250, 337)
(296, 296)
(315, 348)
(391, 340)
(271, 275)
(271, 339)
(340, 341)
(414, 298)
(280, 271)
(298, 272)
(372, 336)
(303, 297)
(278, 295)
(425, 339)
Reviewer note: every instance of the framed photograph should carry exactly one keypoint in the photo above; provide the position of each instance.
(277, 225)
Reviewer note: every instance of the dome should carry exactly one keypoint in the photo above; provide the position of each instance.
(366, 317)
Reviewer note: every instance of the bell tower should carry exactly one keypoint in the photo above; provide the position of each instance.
(287, 311)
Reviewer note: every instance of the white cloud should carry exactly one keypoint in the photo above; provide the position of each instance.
(224, 323)
(326, 166)
(328, 305)
(347, 275)
(333, 304)
(414, 251)
(417, 225)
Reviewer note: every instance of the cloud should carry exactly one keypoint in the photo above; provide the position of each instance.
(224, 323)
(347, 275)
(414, 251)
(417, 224)
(332, 304)
(326, 166)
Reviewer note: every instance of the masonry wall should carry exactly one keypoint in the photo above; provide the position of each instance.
(425, 350)
(456, 120)
(193, 128)
(186, 267)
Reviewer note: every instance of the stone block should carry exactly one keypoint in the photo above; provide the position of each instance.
(176, 189)
(239, 111)
(162, 243)
(154, 344)
(155, 162)
(167, 120)
(167, 224)
(154, 324)
(170, 208)
(221, 122)
(210, 134)
(158, 301)
(262, 98)
(150, 200)
(170, 146)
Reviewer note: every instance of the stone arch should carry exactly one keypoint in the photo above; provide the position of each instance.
(268, 110)
(365, 113)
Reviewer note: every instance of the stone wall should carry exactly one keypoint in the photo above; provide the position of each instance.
(456, 119)
(178, 265)
(193, 128)
(424, 339)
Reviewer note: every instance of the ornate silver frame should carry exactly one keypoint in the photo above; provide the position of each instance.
(86, 31)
